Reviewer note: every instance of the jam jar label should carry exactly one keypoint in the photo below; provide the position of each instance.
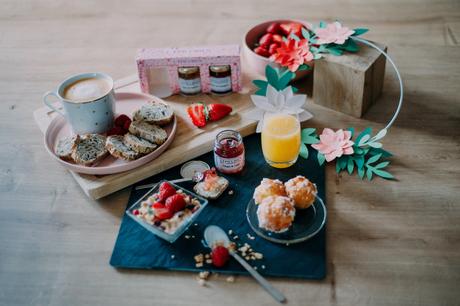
(223, 84)
(233, 164)
(190, 86)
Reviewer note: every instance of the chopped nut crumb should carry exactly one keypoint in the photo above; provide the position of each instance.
(207, 256)
(199, 265)
(187, 236)
(230, 192)
(204, 275)
(247, 257)
(230, 279)
(202, 282)
(258, 255)
(230, 232)
(199, 258)
(209, 261)
(250, 237)
(263, 266)
(255, 268)
(235, 237)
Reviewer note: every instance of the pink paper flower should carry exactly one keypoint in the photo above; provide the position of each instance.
(334, 144)
(333, 33)
(292, 54)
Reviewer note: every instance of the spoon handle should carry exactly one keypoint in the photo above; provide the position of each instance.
(172, 181)
(262, 281)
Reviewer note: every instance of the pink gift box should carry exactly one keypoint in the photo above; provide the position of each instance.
(152, 60)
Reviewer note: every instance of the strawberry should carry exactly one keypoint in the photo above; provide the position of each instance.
(157, 205)
(175, 202)
(274, 28)
(277, 39)
(165, 191)
(121, 119)
(200, 113)
(136, 212)
(285, 28)
(272, 49)
(163, 213)
(196, 113)
(293, 27)
(116, 130)
(265, 40)
(262, 51)
(218, 111)
(219, 256)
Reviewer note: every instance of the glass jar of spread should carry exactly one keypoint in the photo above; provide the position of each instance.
(220, 79)
(189, 80)
(229, 152)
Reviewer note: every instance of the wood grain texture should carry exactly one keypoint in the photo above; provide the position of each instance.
(388, 242)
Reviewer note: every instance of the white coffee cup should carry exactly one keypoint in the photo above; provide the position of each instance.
(88, 101)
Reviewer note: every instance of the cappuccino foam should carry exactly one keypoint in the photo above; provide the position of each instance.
(86, 90)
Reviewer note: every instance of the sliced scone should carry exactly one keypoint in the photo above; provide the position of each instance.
(117, 148)
(154, 112)
(90, 149)
(66, 146)
(150, 132)
(212, 187)
(138, 144)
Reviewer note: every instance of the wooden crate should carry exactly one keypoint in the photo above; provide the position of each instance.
(350, 83)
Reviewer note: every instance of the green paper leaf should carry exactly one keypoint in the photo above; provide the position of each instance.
(334, 51)
(272, 75)
(363, 140)
(303, 67)
(366, 131)
(308, 131)
(321, 158)
(384, 153)
(369, 174)
(261, 92)
(351, 46)
(342, 161)
(359, 31)
(352, 131)
(381, 165)
(358, 150)
(317, 56)
(379, 135)
(350, 165)
(361, 172)
(305, 33)
(373, 159)
(383, 174)
(294, 89)
(284, 80)
(303, 151)
(322, 24)
(295, 37)
(359, 160)
(337, 166)
(376, 145)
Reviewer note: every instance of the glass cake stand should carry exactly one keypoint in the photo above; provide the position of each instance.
(307, 223)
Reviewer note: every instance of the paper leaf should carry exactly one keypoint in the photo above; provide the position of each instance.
(305, 33)
(359, 160)
(382, 165)
(303, 151)
(351, 46)
(361, 172)
(271, 74)
(261, 92)
(260, 83)
(358, 150)
(295, 37)
(359, 31)
(383, 174)
(373, 159)
(313, 41)
(284, 80)
(384, 153)
(366, 131)
(322, 24)
(350, 165)
(337, 167)
(352, 131)
(321, 158)
(317, 56)
(308, 138)
(376, 145)
(343, 162)
(363, 140)
(308, 131)
(294, 89)
(379, 135)
(369, 174)
(334, 51)
(303, 67)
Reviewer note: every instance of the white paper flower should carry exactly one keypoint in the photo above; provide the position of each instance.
(283, 102)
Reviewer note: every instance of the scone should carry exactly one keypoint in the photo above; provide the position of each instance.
(276, 213)
(90, 150)
(154, 112)
(150, 132)
(66, 146)
(302, 191)
(117, 148)
(212, 186)
(268, 187)
(138, 144)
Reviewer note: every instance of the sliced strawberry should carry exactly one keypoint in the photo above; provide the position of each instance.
(218, 111)
(266, 40)
(165, 191)
(274, 28)
(220, 256)
(262, 51)
(197, 114)
(158, 205)
(175, 202)
(121, 119)
(273, 47)
(278, 39)
(163, 213)
(116, 130)
(285, 28)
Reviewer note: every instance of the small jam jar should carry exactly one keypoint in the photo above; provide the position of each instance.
(220, 79)
(229, 152)
(189, 80)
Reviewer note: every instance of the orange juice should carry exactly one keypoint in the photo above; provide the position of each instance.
(281, 140)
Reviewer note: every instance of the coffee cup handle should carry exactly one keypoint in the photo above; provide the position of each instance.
(49, 104)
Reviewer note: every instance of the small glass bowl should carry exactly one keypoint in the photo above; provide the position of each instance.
(307, 223)
(157, 230)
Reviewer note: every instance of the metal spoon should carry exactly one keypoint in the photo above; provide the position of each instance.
(214, 234)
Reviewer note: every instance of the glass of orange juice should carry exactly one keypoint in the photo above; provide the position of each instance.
(281, 139)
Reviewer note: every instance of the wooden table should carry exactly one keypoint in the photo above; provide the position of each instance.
(389, 242)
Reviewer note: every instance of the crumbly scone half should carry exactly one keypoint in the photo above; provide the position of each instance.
(117, 148)
(138, 144)
(90, 149)
(154, 112)
(66, 146)
(150, 132)
(214, 193)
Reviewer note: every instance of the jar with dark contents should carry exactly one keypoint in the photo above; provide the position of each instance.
(220, 79)
(229, 152)
(189, 80)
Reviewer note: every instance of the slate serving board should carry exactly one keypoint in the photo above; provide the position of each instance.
(137, 248)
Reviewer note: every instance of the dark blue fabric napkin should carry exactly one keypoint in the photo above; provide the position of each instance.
(138, 248)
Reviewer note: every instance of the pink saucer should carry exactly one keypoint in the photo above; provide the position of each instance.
(126, 103)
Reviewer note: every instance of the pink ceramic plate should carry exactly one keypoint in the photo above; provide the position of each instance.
(126, 104)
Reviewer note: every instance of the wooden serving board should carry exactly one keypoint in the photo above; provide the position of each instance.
(189, 142)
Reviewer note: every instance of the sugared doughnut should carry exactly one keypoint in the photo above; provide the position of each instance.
(302, 191)
(276, 213)
(268, 187)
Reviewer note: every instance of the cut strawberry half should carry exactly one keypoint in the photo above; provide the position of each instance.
(165, 191)
(220, 256)
(197, 114)
(218, 111)
(200, 113)
(163, 213)
(175, 202)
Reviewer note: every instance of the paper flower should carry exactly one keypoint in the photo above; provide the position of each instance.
(284, 102)
(293, 53)
(333, 33)
(334, 144)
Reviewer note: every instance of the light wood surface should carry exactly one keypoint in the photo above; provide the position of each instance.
(388, 242)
